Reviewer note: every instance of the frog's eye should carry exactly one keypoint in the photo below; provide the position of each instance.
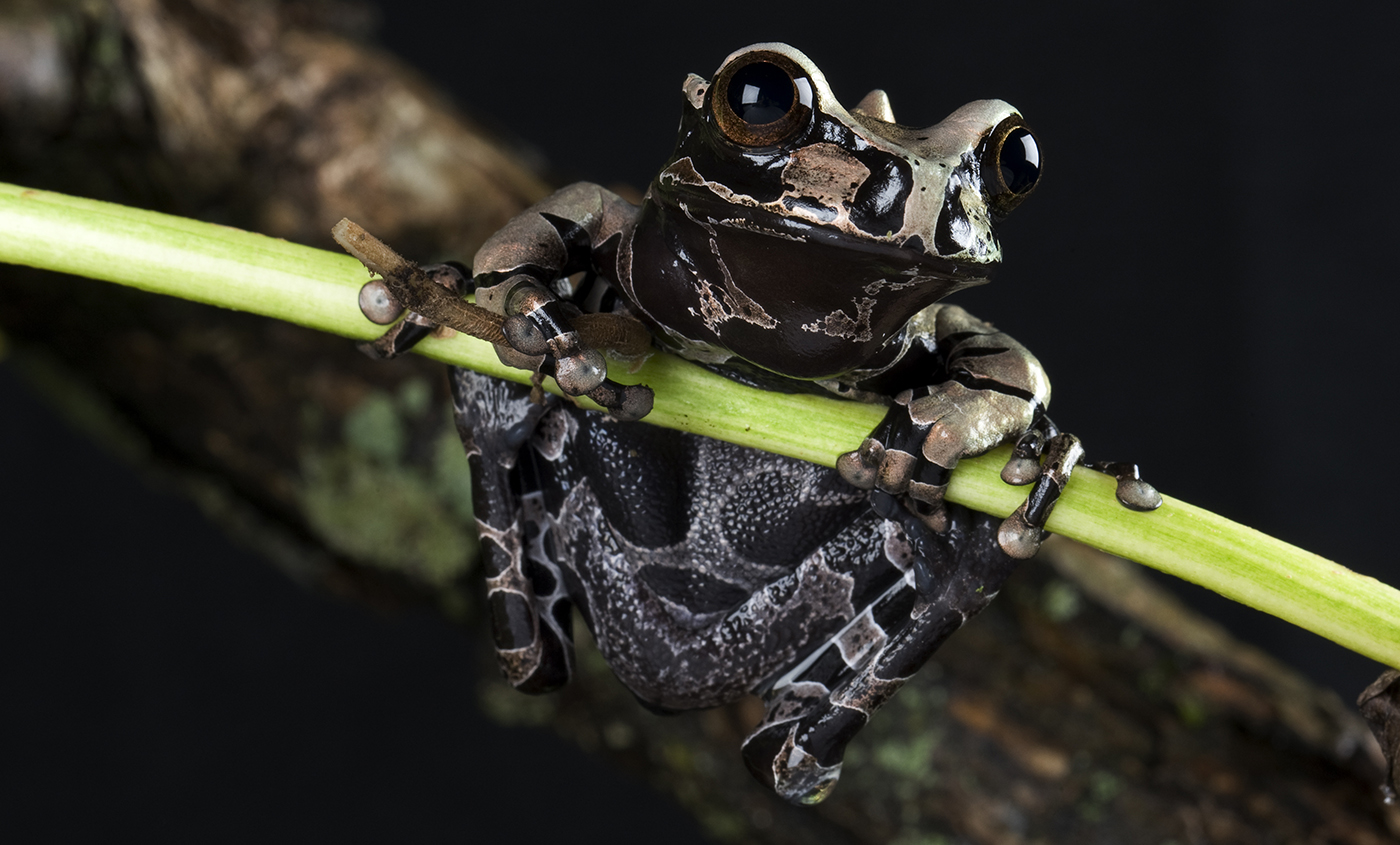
(762, 99)
(1010, 164)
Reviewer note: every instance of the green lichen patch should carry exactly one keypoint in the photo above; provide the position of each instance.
(370, 498)
(1060, 600)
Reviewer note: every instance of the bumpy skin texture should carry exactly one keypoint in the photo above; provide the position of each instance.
(706, 571)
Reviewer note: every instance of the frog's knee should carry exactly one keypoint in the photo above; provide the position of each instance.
(533, 657)
(800, 758)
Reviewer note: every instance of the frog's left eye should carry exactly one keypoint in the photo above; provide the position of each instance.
(762, 99)
(1010, 164)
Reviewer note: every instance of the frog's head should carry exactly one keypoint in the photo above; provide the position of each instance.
(784, 214)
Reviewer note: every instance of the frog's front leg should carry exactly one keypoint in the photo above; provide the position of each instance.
(579, 228)
(520, 274)
(995, 391)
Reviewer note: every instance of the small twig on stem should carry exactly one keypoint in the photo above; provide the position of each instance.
(413, 289)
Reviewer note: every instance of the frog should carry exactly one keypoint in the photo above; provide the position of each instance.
(794, 245)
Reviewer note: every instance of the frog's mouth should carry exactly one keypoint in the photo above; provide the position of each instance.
(829, 221)
(909, 256)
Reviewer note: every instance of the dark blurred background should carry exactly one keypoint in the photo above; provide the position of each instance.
(1204, 271)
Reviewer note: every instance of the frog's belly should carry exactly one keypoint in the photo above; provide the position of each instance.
(705, 570)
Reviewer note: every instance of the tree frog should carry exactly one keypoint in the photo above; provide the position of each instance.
(800, 246)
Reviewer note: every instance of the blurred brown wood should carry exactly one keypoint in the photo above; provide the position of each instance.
(1085, 705)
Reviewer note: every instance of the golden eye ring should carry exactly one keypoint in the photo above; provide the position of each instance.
(762, 99)
(1011, 163)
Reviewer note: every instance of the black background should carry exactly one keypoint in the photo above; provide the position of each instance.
(1205, 271)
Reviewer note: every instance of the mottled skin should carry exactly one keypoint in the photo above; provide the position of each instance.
(706, 571)
(793, 244)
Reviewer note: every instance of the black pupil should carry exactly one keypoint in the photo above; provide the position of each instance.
(1020, 161)
(760, 93)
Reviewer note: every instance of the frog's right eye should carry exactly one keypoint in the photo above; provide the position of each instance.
(762, 99)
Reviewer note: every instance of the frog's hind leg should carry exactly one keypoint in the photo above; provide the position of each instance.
(814, 711)
(530, 613)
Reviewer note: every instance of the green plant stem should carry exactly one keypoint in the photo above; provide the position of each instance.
(230, 268)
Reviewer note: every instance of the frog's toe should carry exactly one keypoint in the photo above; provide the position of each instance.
(581, 371)
(896, 471)
(924, 495)
(933, 514)
(861, 468)
(1024, 465)
(626, 403)
(524, 336)
(1133, 493)
(1017, 537)
(1136, 494)
(1019, 472)
(401, 337)
(1021, 532)
(379, 305)
(381, 308)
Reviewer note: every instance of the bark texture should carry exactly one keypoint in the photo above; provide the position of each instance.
(1085, 705)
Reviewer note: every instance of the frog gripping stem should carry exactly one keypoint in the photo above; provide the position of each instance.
(790, 243)
(406, 326)
(539, 335)
(996, 392)
(433, 296)
(1022, 531)
(541, 325)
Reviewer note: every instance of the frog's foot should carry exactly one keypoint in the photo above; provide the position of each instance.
(909, 460)
(783, 754)
(432, 295)
(814, 713)
(1133, 493)
(1023, 530)
(891, 461)
(542, 333)
(406, 328)
(562, 341)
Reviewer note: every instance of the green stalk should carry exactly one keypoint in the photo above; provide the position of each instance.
(230, 268)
